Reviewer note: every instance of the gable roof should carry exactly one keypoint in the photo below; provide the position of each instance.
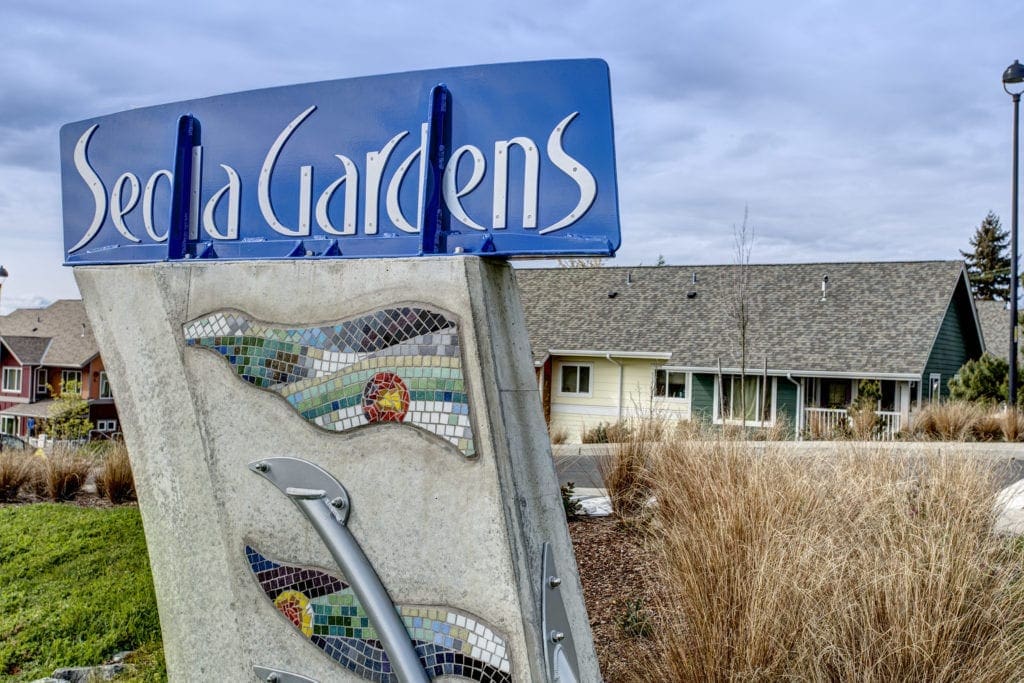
(878, 318)
(64, 327)
(28, 350)
(994, 317)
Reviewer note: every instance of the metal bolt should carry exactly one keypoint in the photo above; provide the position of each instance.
(459, 250)
(262, 467)
(554, 581)
(557, 636)
(338, 502)
(309, 252)
(272, 677)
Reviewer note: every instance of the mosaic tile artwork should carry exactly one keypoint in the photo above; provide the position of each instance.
(400, 364)
(325, 609)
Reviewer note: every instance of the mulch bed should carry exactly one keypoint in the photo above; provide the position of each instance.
(616, 570)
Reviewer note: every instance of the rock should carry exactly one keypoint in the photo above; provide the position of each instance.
(88, 674)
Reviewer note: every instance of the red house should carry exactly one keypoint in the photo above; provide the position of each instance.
(42, 350)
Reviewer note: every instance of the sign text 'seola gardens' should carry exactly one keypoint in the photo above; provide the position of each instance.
(503, 160)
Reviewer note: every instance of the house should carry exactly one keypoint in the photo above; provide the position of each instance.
(609, 343)
(42, 351)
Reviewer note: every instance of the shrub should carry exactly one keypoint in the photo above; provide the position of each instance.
(560, 436)
(570, 505)
(635, 620)
(114, 479)
(16, 470)
(861, 566)
(63, 474)
(985, 380)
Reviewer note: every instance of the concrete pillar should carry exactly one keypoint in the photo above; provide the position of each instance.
(451, 528)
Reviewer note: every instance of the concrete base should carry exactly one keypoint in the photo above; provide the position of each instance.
(439, 528)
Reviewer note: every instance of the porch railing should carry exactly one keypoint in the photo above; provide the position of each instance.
(827, 423)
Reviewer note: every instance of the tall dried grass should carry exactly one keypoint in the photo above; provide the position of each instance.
(864, 566)
(965, 421)
(16, 470)
(63, 473)
(114, 479)
(625, 472)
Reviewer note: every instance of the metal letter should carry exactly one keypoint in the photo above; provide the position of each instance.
(99, 193)
(575, 170)
(263, 187)
(451, 191)
(531, 178)
(375, 162)
(147, 203)
(234, 190)
(351, 180)
(118, 210)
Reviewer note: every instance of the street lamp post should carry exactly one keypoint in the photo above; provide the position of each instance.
(1014, 75)
(3, 276)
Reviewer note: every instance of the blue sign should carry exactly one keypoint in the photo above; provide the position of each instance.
(501, 160)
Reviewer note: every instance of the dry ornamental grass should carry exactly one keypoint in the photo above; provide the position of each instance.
(863, 567)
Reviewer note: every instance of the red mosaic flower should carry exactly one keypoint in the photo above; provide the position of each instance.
(385, 398)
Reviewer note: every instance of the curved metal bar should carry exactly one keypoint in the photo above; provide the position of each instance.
(325, 503)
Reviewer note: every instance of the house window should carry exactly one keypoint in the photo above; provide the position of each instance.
(575, 378)
(69, 376)
(106, 425)
(934, 386)
(12, 380)
(9, 424)
(669, 384)
(41, 388)
(105, 386)
(744, 399)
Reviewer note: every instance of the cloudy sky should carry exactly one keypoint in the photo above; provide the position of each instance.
(850, 130)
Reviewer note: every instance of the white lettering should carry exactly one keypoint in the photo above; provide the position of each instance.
(452, 194)
(351, 179)
(99, 193)
(234, 189)
(394, 208)
(147, 202)
(375, 162)
(531, 179)
(305, 183)
(118, 209)
(575, 170)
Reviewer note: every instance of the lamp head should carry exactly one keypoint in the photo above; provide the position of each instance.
(1014, 76)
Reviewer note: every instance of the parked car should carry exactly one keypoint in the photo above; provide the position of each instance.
(9, 442)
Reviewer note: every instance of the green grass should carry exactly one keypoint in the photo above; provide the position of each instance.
(75, 589)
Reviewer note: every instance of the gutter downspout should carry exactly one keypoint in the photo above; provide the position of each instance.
(799, 407)
(608, 356)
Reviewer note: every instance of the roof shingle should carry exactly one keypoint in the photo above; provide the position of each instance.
(879, 317)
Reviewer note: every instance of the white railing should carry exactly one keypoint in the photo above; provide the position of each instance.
(828, 423)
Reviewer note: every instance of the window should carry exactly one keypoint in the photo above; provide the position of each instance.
(9, 424)
(575, 378)
(41, 388)
(12, 380)
(105, 387)
(669, 384)
(934, 386)
(744, 399)
(106, 425)
(69, 376)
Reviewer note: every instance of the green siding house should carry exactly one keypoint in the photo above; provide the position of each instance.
(610, 343)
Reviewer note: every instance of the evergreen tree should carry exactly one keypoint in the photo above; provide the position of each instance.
(988, 265)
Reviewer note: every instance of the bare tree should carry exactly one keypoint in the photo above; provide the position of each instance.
(740, 300)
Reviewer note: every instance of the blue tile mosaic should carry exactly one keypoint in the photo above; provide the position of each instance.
(325, 609)
(400, 364)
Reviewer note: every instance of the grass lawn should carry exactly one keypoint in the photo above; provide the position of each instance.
(76, 589)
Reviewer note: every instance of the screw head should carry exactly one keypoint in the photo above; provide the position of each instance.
(554, 581)
(459, 250)
(338, 502)
(273, 677)
(262, 467)
(557, 636)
